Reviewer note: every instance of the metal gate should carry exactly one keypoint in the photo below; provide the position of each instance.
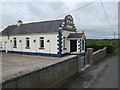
(85, 59)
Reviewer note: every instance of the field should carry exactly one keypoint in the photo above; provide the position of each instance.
(111, 44)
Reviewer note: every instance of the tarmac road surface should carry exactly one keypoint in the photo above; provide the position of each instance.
(104, 74)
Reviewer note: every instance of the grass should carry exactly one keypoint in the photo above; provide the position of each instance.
(96, 44)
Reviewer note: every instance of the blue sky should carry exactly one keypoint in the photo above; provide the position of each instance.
(91, 18)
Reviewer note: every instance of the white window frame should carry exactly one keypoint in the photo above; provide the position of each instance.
(64, 43)
(83, 44)
(27, 45)
(41, 39)
(14, 42)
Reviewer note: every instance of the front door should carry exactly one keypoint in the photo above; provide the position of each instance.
(73, 45)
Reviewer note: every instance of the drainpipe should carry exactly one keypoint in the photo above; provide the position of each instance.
(34, 41)
(6, 46)
(21, 46)
(49, 46)
(11, 44)
(7, 41)
(35, 47)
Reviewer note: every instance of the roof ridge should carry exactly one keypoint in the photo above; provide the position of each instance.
(77, 33)
(43, 21)
(37, 27)
(36, 22)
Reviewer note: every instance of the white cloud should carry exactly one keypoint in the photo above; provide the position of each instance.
(91, 19)
(57, 0)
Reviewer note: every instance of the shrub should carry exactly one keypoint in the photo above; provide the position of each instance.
(110, 48)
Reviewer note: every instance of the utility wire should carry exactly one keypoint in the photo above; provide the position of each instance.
(77, 9)
(106, 15)
(107, 18)
(86, 6)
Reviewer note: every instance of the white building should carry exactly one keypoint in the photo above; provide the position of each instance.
(47, 38)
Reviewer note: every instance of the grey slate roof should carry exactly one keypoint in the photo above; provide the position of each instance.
(75, 35)
(30, 28)
(8, 30)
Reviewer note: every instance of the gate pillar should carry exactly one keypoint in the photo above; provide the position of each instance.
(90, 52)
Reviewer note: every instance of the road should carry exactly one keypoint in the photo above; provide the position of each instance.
(104, 74)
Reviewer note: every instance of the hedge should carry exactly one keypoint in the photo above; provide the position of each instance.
(110, 48)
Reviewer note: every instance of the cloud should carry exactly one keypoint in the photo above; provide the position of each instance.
(91, 18)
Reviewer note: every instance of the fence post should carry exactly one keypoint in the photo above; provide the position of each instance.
(90, 52)
(79, 63)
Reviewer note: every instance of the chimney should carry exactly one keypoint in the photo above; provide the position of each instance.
(19, 22)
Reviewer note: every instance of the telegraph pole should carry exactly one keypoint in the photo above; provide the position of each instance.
(114, 35)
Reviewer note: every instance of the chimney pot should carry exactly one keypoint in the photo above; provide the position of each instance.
(19, 22)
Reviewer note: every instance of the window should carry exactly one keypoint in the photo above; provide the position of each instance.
(0, 44)
(67, 21)
(41, 42)
(27, 43)
(15, 42)
(83, 44)
(64, 44)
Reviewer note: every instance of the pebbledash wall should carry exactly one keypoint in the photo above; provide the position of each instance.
(50, 47)
(99, 54)
(53, 44)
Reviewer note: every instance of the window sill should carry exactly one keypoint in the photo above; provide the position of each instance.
(42, 48)
(64, 48)
(27, 47)
(14, 47)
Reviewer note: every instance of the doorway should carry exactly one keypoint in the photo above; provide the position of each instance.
(73, 45)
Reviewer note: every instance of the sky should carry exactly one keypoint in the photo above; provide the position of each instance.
(90, 18)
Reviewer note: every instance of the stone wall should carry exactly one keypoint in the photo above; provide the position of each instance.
(99, 54)
(55, 74)
(48, 76)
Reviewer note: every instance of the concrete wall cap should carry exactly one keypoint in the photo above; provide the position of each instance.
(105, 47)
(89, 48)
